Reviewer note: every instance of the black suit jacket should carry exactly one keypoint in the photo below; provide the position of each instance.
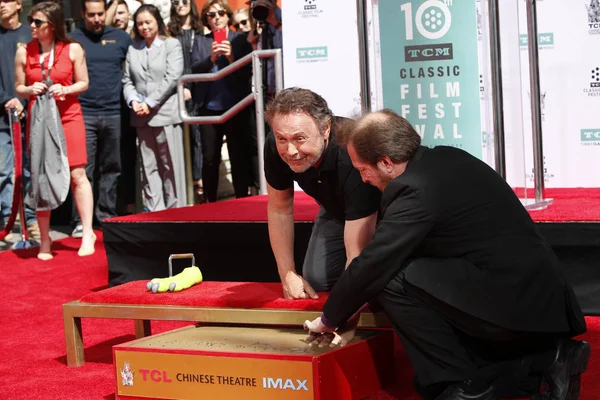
(450, 205)
(237, 82)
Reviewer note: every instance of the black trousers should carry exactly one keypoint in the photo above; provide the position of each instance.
(103, 145)
(447, 345)
(252, 144)
(126, 186)
(235, 131)
(195, 142)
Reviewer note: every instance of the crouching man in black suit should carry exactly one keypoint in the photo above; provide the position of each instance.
(471, 287)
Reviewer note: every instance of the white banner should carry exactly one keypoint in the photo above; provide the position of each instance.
(320, 51)
(568, 38)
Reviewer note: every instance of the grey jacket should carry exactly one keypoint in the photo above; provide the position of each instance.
(151, 76)
(50, 174)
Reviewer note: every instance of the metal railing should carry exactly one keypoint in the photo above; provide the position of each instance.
(534, 78)
(256, 96)
(363, 50)
(497, 88)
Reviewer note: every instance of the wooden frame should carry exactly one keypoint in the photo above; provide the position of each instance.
(143, 314)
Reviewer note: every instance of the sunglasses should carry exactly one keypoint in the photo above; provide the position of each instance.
(176, 2)
(212, 14)
(242, 22)
(37, 22)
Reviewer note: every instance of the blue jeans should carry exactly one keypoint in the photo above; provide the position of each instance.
(6, 175)
(103, 145)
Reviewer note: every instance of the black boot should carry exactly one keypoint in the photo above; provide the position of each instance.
(468, 390)
(564, 374)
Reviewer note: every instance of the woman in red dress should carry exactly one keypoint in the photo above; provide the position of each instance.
(63, 62)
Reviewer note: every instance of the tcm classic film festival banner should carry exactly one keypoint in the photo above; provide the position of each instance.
(429, 69)
(320, 51)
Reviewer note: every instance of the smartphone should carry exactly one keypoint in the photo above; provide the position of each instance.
(220, 35)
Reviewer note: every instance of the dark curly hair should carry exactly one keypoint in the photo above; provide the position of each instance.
(175, 24)
(224, 5)
(296, 100)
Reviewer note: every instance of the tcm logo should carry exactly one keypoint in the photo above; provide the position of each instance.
(594, 89)
(590, 135)
(544, 40)
(310, 4)
(595, 83)
(593, 11)
(303, 53)
(309, 9)
(428, 52)
(279, 383)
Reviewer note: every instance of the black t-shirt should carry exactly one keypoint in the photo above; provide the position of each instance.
(10, 41)
(335, 184)
(105, 53)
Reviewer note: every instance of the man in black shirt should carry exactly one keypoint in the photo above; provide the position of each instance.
(105, 48)
(302, 148)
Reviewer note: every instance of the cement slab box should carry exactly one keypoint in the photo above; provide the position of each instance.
(217, 362)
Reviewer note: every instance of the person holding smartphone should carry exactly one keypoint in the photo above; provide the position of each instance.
(211, 53)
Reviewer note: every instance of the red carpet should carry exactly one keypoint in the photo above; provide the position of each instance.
(208, 294)
(246, 209)
(33, 349)
(570, 205)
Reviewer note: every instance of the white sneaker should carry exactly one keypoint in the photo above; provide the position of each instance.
(77, 232)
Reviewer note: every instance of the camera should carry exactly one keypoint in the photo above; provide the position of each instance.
(260, 9)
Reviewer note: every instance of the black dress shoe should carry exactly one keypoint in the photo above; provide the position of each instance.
(466, 391)
(563, 376)
(430, 392)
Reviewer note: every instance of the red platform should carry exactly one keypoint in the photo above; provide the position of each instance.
(576, 204)
(245, 295)
(231, 242)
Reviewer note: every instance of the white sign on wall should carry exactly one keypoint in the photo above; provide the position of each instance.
(320, 51)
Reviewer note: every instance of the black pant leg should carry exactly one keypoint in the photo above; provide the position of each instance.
(212, 141)
(238, 156)
(252, 145)
(195, 142)
(109, 166)
(431, 342)
(445, 344)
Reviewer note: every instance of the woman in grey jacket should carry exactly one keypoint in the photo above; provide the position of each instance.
(153, 65)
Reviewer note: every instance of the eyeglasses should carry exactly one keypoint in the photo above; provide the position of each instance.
(242, 22)
(176, 2)
(37, 22)
(212, 14)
